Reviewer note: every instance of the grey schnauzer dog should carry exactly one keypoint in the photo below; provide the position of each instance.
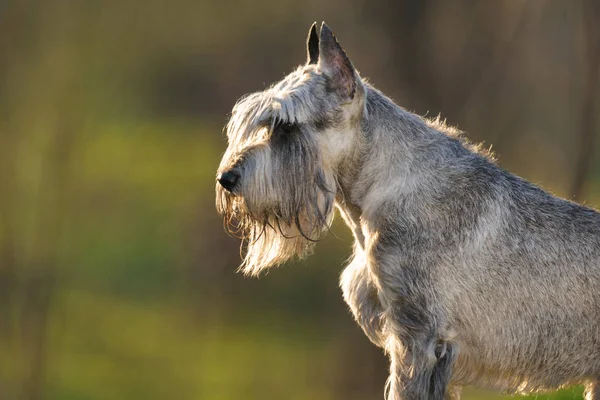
(464, 273)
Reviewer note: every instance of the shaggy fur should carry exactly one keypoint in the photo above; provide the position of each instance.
(462, 272)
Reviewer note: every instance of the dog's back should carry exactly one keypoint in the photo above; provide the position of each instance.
(520, 277)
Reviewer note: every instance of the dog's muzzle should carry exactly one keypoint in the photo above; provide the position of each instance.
(228, 179)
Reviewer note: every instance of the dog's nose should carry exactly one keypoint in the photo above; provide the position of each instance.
(228, 179)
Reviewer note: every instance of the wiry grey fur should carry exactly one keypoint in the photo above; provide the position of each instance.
(462, 272)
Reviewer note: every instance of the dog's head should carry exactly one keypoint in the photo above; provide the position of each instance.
(276, 183)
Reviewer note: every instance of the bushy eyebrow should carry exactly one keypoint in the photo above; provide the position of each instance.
(283, 102)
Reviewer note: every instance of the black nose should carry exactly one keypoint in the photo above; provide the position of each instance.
(228, 179)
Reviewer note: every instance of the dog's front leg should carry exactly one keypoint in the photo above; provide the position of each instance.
(417, 341)
(361, 295)
(415, 376)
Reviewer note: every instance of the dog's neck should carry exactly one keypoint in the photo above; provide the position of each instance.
(370, 173)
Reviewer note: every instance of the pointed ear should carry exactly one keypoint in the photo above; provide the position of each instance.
(312, 45)
(335, 63)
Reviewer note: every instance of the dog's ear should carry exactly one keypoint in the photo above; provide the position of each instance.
(335, 63)
(312, 45)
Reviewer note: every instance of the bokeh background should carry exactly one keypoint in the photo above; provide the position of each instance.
(116, 278)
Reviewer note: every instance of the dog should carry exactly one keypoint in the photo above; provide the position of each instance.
(463, 273)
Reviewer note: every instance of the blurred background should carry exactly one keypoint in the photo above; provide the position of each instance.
(116, 278)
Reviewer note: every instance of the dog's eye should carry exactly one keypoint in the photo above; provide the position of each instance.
(285, 128)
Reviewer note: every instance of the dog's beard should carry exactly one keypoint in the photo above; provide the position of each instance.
(276, 230)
